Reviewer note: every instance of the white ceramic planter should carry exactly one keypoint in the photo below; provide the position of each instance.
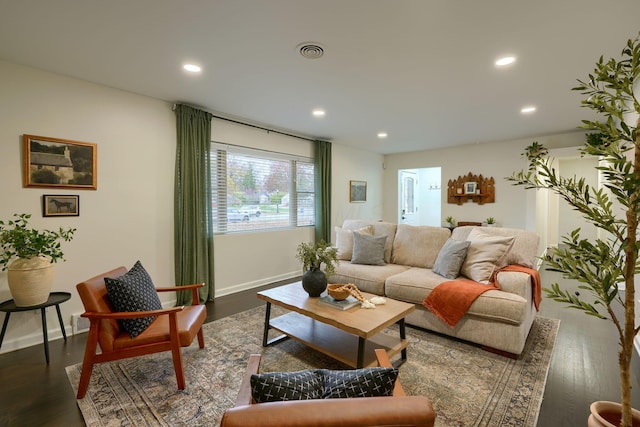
(30, 280)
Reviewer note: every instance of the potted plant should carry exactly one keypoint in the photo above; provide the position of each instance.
(313, 256)
(491, 222)
(450, 222)
(28, 255)
(603, 264)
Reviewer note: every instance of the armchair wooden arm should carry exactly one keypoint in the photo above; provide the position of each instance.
(195, 298)
(131, 314)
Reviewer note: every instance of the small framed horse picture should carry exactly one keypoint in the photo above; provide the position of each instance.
(60, 205)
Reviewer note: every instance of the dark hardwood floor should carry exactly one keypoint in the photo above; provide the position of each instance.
(583, 369)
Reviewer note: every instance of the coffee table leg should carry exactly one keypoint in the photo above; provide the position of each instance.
(360, 361)
(403, 336)
(267, 326)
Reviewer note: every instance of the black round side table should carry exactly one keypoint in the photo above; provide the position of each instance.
(55, 298)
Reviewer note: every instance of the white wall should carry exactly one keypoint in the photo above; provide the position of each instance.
(130, 215)
(513, 207)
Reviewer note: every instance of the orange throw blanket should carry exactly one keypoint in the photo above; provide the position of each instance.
(451, 300)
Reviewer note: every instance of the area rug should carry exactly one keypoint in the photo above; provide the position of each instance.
(467, 385)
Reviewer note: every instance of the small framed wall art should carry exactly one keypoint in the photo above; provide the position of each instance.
(470, 187)
(60, 205)
(59, 163)
(357, 191)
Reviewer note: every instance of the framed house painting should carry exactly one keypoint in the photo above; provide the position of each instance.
(470, 187)
(357, 191)
(60, 205)
(59, 163)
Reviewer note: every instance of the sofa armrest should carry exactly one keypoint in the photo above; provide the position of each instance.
(515, 282)
(364, 411)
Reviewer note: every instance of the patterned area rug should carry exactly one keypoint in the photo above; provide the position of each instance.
(467, 385)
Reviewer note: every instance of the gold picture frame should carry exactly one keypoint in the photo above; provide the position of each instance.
(357, 191)
(59, 163)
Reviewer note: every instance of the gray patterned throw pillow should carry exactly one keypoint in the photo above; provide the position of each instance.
(366, 382)
(133, 291)
(368, 249)
(450, 258)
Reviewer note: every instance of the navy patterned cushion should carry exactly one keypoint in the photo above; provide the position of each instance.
(322, 384)
(367, 382)
(277, 386)
(133, 291)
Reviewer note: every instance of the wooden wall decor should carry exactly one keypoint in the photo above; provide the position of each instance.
(472, 187)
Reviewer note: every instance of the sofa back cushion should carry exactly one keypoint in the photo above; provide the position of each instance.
(380, 228)
(524, 250)
(418, 246)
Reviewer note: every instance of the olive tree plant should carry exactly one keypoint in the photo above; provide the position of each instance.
(600, 266)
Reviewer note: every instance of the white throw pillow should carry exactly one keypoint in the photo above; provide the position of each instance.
(344, 241)
(485, 254)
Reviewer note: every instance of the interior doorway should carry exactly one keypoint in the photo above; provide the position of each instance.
(419, 196)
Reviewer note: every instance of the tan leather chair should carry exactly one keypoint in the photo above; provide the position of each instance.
(174, 327)
(396, 410)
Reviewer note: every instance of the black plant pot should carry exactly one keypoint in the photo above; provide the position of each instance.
(314, 282)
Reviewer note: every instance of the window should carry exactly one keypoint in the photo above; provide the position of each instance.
(254, 189)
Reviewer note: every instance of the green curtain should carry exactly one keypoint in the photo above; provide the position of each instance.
(193, 211)
(323, 190)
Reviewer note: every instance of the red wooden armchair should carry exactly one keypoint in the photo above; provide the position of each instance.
(396, 410)
(173, 328)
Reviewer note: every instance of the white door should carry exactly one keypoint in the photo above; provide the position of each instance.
(408, 197)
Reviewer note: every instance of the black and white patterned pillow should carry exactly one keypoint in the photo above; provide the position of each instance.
(278, 386)
(133, 291)
(366, 382)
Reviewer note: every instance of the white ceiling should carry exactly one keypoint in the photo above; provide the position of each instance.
(421, 70)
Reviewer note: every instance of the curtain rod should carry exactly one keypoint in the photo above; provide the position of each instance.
(248, 124)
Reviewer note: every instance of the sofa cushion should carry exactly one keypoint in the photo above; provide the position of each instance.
(368, 278)
(380, 228)
(418, 246)
(450, 258)
(525, 246)
(415, 284)
(133, 291)
(344, 241)
(485, 254)
(368, 249)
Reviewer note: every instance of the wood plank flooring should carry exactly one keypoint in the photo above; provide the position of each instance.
(583, 369)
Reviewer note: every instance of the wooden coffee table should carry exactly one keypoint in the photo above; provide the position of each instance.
(349, 336)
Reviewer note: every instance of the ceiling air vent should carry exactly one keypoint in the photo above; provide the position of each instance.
(311, 50)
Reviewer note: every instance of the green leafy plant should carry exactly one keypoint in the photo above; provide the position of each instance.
(450, 220)
(18, 240)
(314, 255)
(601, 265)
(490, 220)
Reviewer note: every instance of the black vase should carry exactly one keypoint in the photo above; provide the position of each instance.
(314, 282)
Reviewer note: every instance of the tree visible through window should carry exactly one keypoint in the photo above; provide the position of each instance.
(254, 189)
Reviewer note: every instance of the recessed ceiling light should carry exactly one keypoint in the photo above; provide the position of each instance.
(382, 135)
(506, 60)
(319, 112)
(192, 68)
(528, 110)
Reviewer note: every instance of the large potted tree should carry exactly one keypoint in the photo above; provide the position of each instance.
(28, 255)
(602, 265)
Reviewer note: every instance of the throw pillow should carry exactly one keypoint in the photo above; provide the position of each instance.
(367, 249)
(133, 291)
(485, 253)
(366, 382)
(344, 241)
(450, 258)
(277, 386)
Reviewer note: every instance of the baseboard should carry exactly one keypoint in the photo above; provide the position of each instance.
(34, 338)
(255, 284)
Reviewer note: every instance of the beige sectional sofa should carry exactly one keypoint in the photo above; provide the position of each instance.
(500, 319)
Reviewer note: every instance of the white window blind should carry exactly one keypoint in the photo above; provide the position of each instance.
(254, 189)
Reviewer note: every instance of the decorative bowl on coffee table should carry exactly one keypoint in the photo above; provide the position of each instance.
(338, 292)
